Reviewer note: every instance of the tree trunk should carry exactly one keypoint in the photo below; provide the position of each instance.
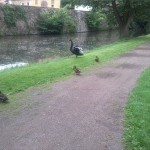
(123, 19)
(124, 31)
(124, 27)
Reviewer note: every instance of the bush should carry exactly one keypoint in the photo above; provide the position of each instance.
(94, 19)
(51, 22)
(111, 20)
(12, 13)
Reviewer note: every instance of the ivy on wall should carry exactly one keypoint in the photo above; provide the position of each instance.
(12, 13)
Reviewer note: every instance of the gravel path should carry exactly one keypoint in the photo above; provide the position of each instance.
(81, 113)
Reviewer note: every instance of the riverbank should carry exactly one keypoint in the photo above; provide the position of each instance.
(32, 49)
(18, 79)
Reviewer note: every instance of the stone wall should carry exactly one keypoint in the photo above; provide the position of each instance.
(79, 18)
(30, 25)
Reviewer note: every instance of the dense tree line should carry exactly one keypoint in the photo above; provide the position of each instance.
(124, 11)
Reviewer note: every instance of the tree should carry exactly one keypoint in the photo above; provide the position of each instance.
(65, 2)
(124, 11)
(69, 2)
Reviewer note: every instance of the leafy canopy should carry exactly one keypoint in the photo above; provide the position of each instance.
(124, 11)
(121, 7)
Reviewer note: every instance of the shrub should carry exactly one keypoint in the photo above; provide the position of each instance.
(94, 19)
(50, 22)
(12, 13)
(111, 20)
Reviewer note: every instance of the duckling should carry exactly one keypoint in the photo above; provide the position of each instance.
(97, 59)
(76, 70)
(3, 97)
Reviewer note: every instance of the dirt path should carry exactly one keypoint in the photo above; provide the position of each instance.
(81, 113)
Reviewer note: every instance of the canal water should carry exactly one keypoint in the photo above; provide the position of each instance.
(22, 50)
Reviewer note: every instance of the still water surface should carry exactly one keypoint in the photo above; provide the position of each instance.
(21, 50)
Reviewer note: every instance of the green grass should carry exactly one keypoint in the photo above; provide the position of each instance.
(137, 115)
(19, 79)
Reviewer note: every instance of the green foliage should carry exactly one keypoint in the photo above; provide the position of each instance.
(94, 19)
(70, 3)
(64, 3)
(141, 20)
(51, 22)
(13, 13)
(111, 20)
(137, 112)
(123, 10)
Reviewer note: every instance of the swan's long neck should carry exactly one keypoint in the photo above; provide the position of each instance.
(71, 47)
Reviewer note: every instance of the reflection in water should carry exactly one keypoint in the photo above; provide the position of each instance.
(28, 49)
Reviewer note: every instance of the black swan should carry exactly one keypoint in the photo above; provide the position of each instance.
(76, 70)
(97, 59)
(3, 97)
(78, 51)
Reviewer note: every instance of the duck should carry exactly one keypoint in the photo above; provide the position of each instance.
(76, 50)
(97, 59)
(76, 70)
(3, 97)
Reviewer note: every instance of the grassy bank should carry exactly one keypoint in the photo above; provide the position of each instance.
(137, 115)
(18, 79)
